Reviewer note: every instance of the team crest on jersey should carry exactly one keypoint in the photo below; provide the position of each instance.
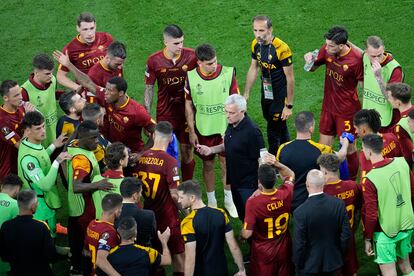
(184, 67)
(125, 119)
(81, 55)
(175, 170)
(100, 47)
(199, 87)
(163, 70)
(30, 166)
(329, 60)
(345, 67)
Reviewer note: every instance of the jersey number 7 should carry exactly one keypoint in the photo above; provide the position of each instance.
(155, 177)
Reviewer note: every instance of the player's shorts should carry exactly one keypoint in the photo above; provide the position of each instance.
(272, 109)
(210, 141)
(351, 259)
(388, 249)
(175, 244)
(180, 129)
(332, 125)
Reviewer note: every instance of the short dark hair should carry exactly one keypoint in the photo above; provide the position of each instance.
(337, 34)
(117, 49)
(411, 114)
(43, 62)
(165, 128)
(127, 228)
(111, 201)
(85, 17)
(6, 85)
(329, 161)
(190, 187)
(91, 112)
(26, 198)
(66, 102)
(120, 83)
(130, 186)
(304, 121)
(114, 153)
(205, 52)
(400, 91)
(173, 31)
(12, 180)
(374, 41)
(370, 117)
(86, 128)
(263, 18)
(267, 176)
(373, 142)
(32, 118)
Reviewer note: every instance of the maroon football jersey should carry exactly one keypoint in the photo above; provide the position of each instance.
(124, 123)
(84, 55)
(170, 76)
(268, 215)
(100, 74)
(341, 79)
(349, 192)
(392, 148)
(159, 173)
(10, 134)
(100, 235)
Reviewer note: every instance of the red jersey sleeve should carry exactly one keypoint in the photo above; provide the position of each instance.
(187, 90)
(150, 77)
(108, 240)
(8, 135)
(359, 69)
(371, 208)
(143, 119)
(173, 177)
(100, 95)
(25, 95)
(396, 75)
(81, 167)
(234, 88)
(250, 217)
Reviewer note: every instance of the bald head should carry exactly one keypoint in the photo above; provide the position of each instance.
(315, 181)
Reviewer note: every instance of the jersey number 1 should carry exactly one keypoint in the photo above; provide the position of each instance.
(277, 226)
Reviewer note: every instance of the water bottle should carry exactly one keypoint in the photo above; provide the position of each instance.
(309, 65)
(263, 153)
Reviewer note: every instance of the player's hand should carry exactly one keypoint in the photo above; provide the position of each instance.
(133, 157)
(268, 159)
(286, 113)
(28, 107)
(193, 139)
(61, 140)
(246, 96)
(368, 248)
(62, 58)
(204, 150)
(64, 155)
(104, 185)
(344, 141)
(165, 236)
(241, 273)
(376, 68)
(309, 57)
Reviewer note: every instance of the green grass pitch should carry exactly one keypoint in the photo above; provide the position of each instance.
(30, 27)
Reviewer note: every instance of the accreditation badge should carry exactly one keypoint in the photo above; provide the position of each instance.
(267, 88)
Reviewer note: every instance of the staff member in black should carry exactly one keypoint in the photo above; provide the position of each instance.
(242, 143)
(26, 243)
(322, 230)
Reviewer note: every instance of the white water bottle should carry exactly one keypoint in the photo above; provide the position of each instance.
(309, 65)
